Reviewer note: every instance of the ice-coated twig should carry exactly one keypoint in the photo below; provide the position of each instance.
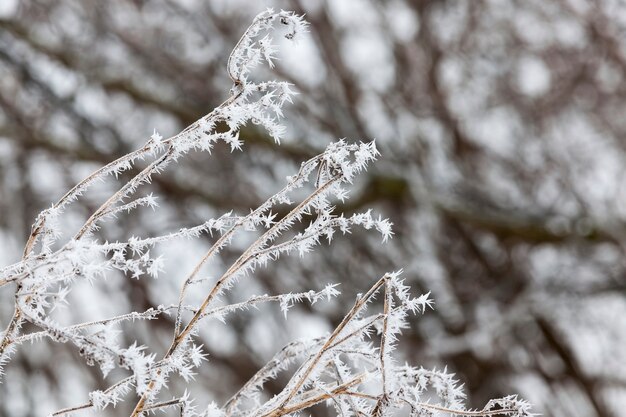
(334, 368)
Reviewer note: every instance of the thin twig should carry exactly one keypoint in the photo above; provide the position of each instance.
(360, 302)
(121, 193)
(309, 402)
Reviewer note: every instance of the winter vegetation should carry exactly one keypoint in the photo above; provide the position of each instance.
(353, 369)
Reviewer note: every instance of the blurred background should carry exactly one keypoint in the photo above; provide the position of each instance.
(503, 138)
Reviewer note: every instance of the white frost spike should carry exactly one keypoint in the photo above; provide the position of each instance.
(156, 137)
(268, 50)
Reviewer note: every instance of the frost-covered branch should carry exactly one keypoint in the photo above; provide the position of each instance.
(334, 369)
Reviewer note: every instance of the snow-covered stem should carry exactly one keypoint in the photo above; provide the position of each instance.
(124, 384)
(358, 305)
(150, 314)
(384, 336)
(123, 192)
(317, 398)
(305, 170)
(285, 357)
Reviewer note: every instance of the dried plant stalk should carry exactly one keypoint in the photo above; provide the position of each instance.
(345, 369)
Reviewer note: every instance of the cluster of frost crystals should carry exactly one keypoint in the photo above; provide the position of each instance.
(352, 369)
(251, 49)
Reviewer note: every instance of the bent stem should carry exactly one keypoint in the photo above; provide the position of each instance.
(358, 305)
(316, 399)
